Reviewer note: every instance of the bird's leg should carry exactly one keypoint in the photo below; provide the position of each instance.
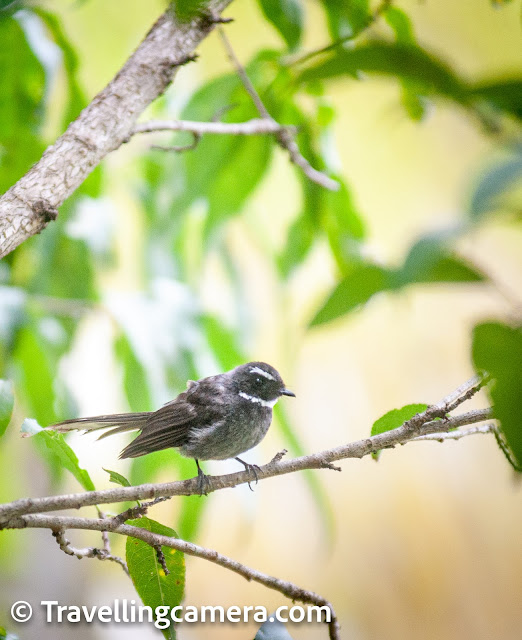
(203, 480)
(251, 468)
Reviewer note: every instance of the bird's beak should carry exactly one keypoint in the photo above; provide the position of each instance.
(287, 392)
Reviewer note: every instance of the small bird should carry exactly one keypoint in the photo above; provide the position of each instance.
(216, 418)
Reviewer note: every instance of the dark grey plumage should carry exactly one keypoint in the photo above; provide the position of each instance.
(216, 418)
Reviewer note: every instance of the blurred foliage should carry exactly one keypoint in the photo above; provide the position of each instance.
(497, 350)
(163, 333)
(6, 404)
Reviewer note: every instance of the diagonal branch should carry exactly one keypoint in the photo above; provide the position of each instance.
(102, 126)
(433, 420)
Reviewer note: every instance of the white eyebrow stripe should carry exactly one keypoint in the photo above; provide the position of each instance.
(263, 403)
(263, 373)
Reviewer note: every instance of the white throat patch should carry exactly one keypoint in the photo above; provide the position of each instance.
(263, 373)
(263, 403)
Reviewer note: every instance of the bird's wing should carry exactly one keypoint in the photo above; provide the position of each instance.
(167, 427)
(201, 405)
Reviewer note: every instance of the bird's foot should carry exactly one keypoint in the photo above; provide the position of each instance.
(252, 469)
(203, 481)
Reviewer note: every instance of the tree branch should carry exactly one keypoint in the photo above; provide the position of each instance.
(108, 121)
(288, 589)
(284, 137)
(433, 420)
(257, 126)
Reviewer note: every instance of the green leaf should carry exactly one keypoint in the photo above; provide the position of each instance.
(6, 404)
(117, 478)
(300, 239)
(495, 183)
(76, 100)
(155, 588)
(404, 61)
(353, 291)
(148, 468)
(185, 10)
(346, 18)
(287, 16)
(394, 419)
(21, 112)
(430, 260)
(497, 349)
(505, 95)
(135, 380)
(402, 26)
(344, 226)
(58, 448)
(35, 377)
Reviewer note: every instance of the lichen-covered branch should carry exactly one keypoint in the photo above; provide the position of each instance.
(108, 121)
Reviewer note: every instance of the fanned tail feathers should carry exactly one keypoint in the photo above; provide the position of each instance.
(119, 421)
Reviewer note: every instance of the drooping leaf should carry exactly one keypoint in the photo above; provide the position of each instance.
(21, 106)
(430, 260)
(35, 378)
(394, 419)
(353, 291)
(287, 16)
(346, 18)
(6, 404)
(497, 349)
(401, 60)
(154, 586)
(506, 95)
(76, 100)
(403, 29)
(57, 447)
(300, 239)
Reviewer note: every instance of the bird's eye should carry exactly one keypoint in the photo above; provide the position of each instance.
(258, 379)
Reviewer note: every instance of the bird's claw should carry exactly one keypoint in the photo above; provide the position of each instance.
(252, 469)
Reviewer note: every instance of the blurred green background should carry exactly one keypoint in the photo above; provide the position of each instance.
(165, 267)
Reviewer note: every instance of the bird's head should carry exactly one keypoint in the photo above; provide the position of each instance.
(259, 382)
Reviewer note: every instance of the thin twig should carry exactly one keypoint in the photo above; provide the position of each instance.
(284, 137)
(254, 127)
(87, 552)
(457, 435)
(288, 589)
